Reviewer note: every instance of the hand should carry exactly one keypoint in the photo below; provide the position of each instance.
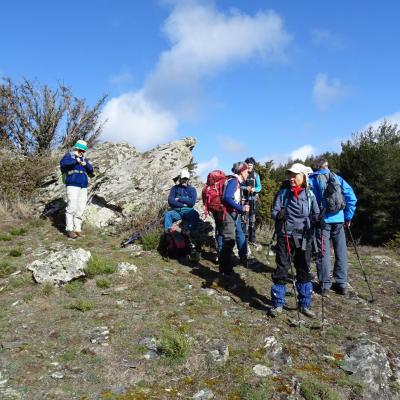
(282, 215)
(250, 189)
(83, 163)
(348, 223)
(246, 208)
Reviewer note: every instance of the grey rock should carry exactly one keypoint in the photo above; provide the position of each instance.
(99, 335)
(262, 370)
(367, 361)
(276, 352)
(152, 347)
(60, 267)
(124, 268)
(219, 351)
(204, 394)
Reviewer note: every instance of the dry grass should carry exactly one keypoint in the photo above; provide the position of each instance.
(15, 210)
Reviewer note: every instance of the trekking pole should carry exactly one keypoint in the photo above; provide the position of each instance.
(245, 227)
(270, 245)
(361, 264)
(322, 284)
(291, 270)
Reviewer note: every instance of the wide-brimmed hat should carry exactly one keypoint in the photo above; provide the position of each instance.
(81, 145)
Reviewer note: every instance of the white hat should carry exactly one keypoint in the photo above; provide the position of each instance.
(184, 174)
(298, 168)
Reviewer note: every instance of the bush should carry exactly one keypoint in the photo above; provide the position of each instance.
(15, 253)
(47, 289)
(394, 243)
(151, 240)
(174, 346)
(73, 288)
(81, 305)
(311, 389)
(6, 269)
(6, 237)
(18, 231)
(103, 283)
(98, 266)
(261, 392)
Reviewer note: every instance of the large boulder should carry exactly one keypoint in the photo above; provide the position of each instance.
(127, 184)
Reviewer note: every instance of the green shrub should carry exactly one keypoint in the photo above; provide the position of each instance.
(69, 355)
(6, 237)
(18, 231)
(173, 345)
(151, 240)
(47, 289)
(73, 288)
(311, 389)
(103, 283)
(261, 392)
(6, 269)
(98, 266)
(15, 253)
(81, 305)
(394, 243)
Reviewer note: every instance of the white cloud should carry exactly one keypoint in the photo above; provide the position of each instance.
(300, 153)
(204, 41)
(133, 118)
(324, 37)
(231, 145)
(392, 119)
(326, 93)
(203, 168)
(122, 79)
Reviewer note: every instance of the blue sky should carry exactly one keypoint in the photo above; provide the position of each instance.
(268, 79)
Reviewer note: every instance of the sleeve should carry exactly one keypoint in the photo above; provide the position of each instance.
(171, 199)
(67, 161)
(190, 199)
(229, 194)
(257, 188)
(351, 199)
(88, 167)
(315, 208)
(278, 205)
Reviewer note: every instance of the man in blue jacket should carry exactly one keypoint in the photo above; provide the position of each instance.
(332, 228)
(182, 198)
(232, 224)
(76, 167)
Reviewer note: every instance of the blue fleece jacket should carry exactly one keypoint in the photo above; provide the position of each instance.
(318, 186)
(228, 197)
(182, 196)
(76, 174)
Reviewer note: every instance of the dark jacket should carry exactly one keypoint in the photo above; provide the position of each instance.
(186, 196)
(76, 174)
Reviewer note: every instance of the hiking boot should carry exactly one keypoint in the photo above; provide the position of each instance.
(307, 312)
(71, 235)
(275, 311)
(342, 290)
(325, 293)
(194, 256)
(244, 261)
(78, 234)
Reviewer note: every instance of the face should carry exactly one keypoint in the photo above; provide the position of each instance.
(184, 181)
(245, 174)
(80, 152)
(296, 179)
(251, 166)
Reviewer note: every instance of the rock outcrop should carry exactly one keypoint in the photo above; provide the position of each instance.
(127, 184)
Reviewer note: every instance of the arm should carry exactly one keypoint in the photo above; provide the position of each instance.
(88, 167)
(315, 209)
(191, 197)
(278, 205)
(229, 194)
(68, 161)
(257, 188)
(351, 199)
(172, 198)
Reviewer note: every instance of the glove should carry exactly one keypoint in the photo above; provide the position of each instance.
(83, 163)
(281, 215)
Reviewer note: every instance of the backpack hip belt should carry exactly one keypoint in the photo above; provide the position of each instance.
(76, 171)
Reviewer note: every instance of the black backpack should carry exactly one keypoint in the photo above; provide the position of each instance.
(332, 199)
(176, 244)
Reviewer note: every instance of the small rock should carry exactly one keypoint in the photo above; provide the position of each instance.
(210, 292)
(125, 268)
(57, 375)
(328, 358)
(120, 289)
(204, 394)
(262, 370)
(99, 334)
(375, 318)
(219, 351)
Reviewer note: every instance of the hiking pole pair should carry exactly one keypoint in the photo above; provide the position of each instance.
(245, 227)
(288, 249)
(361, 264)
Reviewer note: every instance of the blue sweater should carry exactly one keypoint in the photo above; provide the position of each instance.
(76, 174)
(318, 186)
(182, 196)
(228, 198)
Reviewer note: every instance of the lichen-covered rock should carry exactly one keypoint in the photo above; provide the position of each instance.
(60, 267)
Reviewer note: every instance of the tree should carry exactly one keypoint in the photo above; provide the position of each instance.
(36, 118)
(370, 163)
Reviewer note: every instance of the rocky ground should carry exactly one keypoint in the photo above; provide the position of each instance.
(157, 329)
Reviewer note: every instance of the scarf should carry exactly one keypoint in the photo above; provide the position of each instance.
(296, 190)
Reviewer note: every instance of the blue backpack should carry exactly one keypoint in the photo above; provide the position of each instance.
(332, 197)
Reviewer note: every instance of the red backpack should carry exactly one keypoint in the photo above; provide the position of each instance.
(213, 191)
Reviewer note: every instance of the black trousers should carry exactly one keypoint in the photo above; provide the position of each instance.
(301, 260)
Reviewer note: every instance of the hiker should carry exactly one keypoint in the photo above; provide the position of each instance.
(76, 168)
(337, 210)
(294, 210)
(251, 188)
(232, 224)
(182, 198)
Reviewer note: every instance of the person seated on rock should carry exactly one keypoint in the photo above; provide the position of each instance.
(76, 168)
(182, 198)
(295, 210)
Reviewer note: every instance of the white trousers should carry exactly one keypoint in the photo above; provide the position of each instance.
(76, 204)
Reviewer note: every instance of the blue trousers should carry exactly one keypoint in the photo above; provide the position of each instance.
(189, 216)
(334, 232)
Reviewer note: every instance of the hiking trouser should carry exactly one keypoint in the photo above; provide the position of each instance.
(252, 222)
(304, 291)
(188, 215)
(334, 232)
(231, 232)
(219, 225)
(76, 204)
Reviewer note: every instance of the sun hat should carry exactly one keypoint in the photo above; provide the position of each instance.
(81, 145)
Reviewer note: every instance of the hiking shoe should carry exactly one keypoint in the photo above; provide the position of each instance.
(275, 311)
(341, 290)
(194, 256)
(307, 312)
(78, 234)
(71, 235)
(325, 293)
